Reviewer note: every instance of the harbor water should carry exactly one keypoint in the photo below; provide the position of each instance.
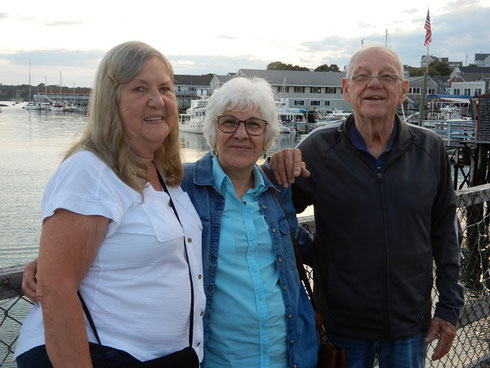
(32, 144)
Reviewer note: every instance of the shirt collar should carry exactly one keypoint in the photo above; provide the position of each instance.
(223, 182)
(358, 141)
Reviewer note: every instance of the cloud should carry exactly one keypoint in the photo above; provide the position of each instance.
(454, 35)
(218, 64)
(226, 37)
(60, 23)
(362, 25)
(411, 11)
(4, 15)
(457, 5)
(61, 57)
(76, 66)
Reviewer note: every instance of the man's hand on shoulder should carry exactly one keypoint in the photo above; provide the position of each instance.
(446, 332)
(287, 165)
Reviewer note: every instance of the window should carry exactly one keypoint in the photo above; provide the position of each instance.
(315, 103)
(299, 102)
(327, 103)
(315, 90)
(330, 90)
(282, 89)
(467, 91)
(477, 91)
(456, 91)
(299, 90)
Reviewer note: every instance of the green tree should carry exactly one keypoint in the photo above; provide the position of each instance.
(414, 71)
(438, 68)
(278, 65)
(327, 68)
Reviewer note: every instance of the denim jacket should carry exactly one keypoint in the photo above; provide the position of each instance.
(199, 184)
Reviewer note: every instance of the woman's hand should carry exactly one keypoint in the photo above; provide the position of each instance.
(29, 281)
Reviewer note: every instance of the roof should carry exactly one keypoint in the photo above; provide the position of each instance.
(474, 69)
(193, 80)
(472, 77)
(296, 78)
(224, 78)
(419, 80)
(481, 56)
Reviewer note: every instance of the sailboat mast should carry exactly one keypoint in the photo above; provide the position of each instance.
(29, 80)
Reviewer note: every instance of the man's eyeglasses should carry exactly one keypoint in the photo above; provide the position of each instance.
(384, 78)
(229, 124)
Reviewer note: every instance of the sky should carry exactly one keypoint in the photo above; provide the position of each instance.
(65, 40)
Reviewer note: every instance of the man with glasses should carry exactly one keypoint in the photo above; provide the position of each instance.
(384, 211)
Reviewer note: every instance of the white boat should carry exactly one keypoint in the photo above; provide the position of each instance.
(72, 108)
(32, 106)
(291, 117)
(58, 106)
(192, 121)
(284, 129)
(45, 106)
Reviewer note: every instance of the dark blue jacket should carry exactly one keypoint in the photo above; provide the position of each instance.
(378, 234)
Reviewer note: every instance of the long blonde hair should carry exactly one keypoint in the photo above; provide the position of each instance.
(104, 133)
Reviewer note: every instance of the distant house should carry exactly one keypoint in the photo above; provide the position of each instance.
(305, 89)
(470, 81)
(432, 58)
(482, 60)
(219, 80)
(191, 87)
(416, 87)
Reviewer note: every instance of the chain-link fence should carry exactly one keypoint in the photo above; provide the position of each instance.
(471, 347)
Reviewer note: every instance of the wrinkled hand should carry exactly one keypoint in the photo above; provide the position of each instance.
(446, 332)
(29, 281)
(286, 165)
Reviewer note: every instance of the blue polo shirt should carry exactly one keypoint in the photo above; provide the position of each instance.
(248, 326)
(358, 142)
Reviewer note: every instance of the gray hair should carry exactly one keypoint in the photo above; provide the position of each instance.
(380, 48)
(242, 94)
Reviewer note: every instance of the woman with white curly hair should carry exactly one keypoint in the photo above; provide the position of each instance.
(257, 312)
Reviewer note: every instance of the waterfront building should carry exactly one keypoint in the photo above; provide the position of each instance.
(482, 60)
(432, 58)
(191, 87)
(306, 90)
(219, 80)
(469, 80)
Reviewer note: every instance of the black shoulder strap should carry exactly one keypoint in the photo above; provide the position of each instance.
(89, 317)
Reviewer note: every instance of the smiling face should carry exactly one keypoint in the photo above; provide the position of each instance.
(238, 152)
(147, 106)
(375, 100)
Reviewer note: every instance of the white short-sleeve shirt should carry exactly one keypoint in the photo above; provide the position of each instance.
(137, 289)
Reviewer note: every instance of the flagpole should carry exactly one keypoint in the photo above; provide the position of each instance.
(424, 88)
(428, 39)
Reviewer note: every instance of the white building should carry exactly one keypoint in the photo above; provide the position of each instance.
(305, 89)
(482, 60)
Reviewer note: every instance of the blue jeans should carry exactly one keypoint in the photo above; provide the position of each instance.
(409, 352)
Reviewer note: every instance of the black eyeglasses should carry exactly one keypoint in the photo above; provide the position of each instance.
(229, 124)
(384, 78)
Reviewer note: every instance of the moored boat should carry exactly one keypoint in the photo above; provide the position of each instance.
(192, 121)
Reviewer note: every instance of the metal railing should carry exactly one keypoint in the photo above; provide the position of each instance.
(471, 347)
(454, 132)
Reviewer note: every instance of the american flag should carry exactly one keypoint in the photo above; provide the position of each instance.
(428, 34)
